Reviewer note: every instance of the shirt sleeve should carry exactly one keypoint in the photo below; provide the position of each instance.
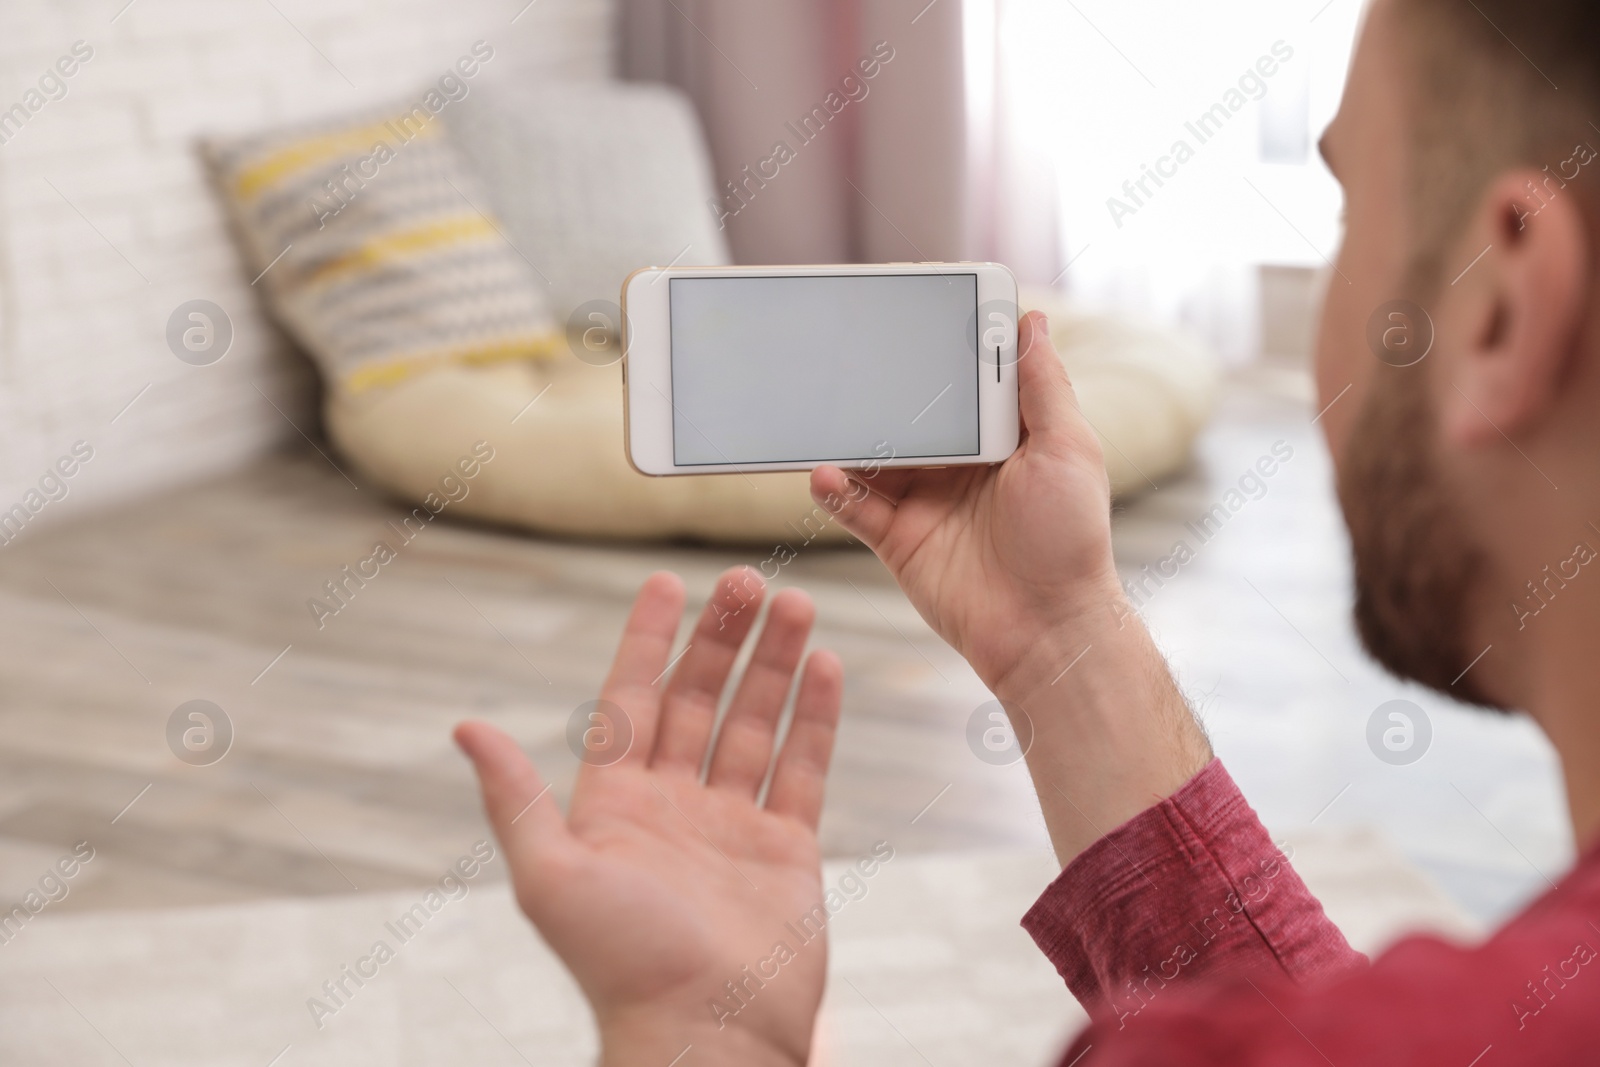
(1185, 894)
(1524, 997)
(1194, 944)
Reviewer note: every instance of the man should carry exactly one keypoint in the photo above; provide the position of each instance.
(1470, 487)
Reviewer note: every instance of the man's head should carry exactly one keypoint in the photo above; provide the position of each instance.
(1457, 346)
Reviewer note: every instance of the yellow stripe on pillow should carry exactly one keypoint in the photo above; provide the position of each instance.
(390, 247)
(251, 181)
(398, 369)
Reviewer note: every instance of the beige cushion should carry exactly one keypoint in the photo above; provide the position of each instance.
(559, 467)
(591, 181)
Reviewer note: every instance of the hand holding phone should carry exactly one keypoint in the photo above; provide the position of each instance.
(1012, 566)
(997, 558)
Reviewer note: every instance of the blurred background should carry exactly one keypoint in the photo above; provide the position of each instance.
(239, 347)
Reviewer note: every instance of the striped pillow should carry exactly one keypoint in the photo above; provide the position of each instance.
(372, 243)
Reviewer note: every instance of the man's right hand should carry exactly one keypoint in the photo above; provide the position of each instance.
(1012, 565)
(996, 556)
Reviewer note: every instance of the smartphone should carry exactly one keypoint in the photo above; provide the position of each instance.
(745, 369)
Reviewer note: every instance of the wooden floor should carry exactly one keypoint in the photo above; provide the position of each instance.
(342, 775)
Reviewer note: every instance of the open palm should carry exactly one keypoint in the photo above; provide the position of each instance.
(667, 888)
(1033, 533)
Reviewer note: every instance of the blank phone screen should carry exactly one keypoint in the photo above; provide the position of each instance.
(775, 369)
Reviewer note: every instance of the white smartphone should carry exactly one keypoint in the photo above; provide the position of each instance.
(742, 369)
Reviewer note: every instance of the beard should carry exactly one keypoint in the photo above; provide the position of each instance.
(1416, 568)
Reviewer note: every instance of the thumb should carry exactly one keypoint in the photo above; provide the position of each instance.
(1049, 407)
(520, 807)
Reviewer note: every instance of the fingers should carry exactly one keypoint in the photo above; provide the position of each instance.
(521, 809)
(802, 768)
(744, 743)
(866, 514)
(642, 657)
(1044, 393)
(689, 706)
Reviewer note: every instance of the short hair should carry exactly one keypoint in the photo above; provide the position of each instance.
(1495, 85)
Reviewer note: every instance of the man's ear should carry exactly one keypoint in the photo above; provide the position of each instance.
(1518, 311)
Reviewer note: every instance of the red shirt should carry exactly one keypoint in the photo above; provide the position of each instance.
(1191, 941)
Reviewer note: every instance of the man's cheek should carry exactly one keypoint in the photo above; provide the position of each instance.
(1341, 345)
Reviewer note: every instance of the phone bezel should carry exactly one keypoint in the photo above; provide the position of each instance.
(647, 369)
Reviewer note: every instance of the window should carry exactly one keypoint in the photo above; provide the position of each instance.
(1182, 139)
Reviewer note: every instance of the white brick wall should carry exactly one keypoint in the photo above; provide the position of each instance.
(81, 332)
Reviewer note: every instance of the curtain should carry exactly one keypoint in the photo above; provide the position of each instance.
(854, 130)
